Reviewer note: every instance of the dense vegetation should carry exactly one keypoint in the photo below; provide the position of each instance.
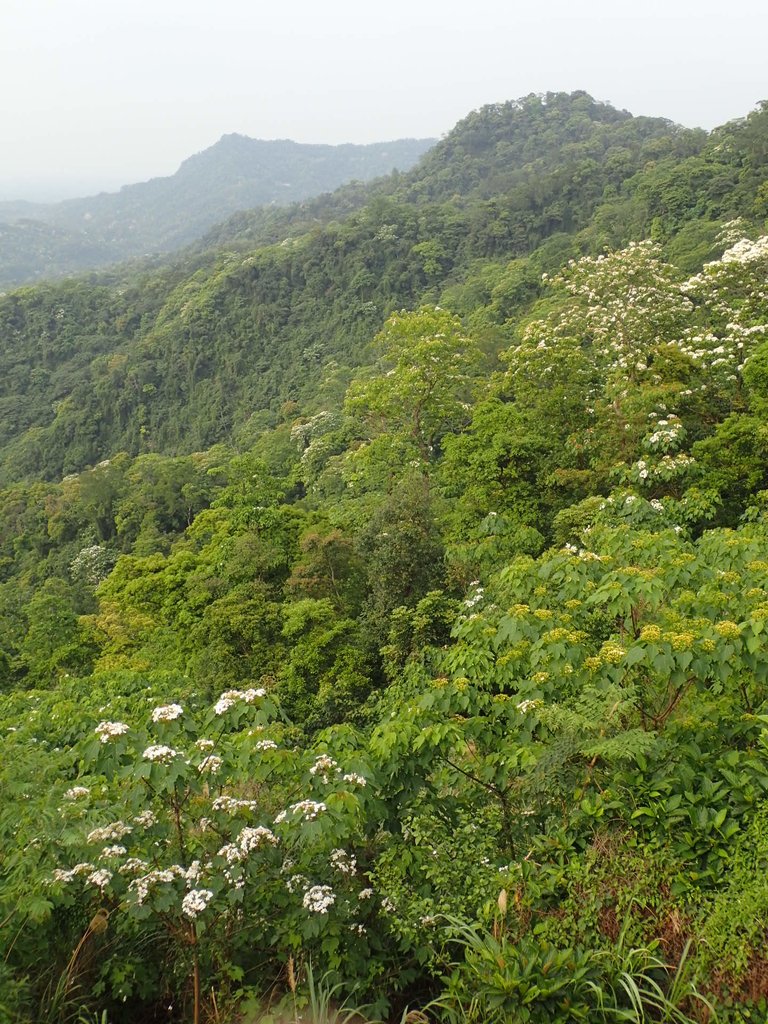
(383, 610)
(43, 240)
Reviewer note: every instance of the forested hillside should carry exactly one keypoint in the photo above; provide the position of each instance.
(44, 240)
(383, 598)
(181, 359)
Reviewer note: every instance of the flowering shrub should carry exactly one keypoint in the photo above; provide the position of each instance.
(635, 355)
(202, 837)
(570, 742)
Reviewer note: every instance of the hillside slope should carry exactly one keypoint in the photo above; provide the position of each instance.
(443, 670)
(177, 360)
(161, 215)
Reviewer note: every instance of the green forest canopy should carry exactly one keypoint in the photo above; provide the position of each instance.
(390, 601)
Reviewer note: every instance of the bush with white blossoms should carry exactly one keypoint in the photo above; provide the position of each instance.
(319, 898)
(160, 752)
(643, 354)
(324, 767)
(167, 713)
(77, 793)
(195, 902)
(194, 837)
(107, 731)
(230, 698)
(211, 764)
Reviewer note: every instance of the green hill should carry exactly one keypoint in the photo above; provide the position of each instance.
(39, 241)
(383, 598)
(178, 359)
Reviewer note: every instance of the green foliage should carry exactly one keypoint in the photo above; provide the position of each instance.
(166, 213)
(735, 918)
(425, 374)
(436, 638)
(280, 305)
(525, 981)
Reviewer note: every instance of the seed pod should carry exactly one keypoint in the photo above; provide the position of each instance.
(99, 922)
(502, 901)
(291, 975)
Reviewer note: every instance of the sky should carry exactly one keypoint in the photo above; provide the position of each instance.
(99, 93)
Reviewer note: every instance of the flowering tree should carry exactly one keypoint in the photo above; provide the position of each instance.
(423, 380)
(638, 361)
(579, 682)
(197, 822)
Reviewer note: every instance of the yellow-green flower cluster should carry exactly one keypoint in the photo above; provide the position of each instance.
(612, 653)
(680, 641)
(650, 634)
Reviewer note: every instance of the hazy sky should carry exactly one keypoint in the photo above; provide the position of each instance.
(98, 93)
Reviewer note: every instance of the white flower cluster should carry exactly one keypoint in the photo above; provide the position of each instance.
(203, 744)
(158, 876)
(265, 745)
(365, 894)
(193, 872)
(77, 793)
(344, 862)
(252, 838)
(229, 698)
(93, 564)
(146, 819)
(319, 898)
(114, 831)
(160, 753)
(318, 424)
(627, 306)
(666, 468)
(109, 852)
(232, 804)
(231, 853)
(296, 882)
(322, 767)
(249, 839)
(195, 902)
(666, 435)
(475, 596)
(624, 302)
(308, 809)
(100, 878)
(60, 875)
(132, 866)
(108, 730)
(582, 553)
(528, 705)
(226, 701)
(167, 713)
(355, 779)
(747, 251)
(211, 764)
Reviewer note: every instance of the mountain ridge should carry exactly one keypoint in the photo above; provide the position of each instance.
(279, 305)
(44, 240)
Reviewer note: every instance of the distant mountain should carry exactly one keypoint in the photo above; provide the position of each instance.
(277, 307)
(43, 240)
(539, 164)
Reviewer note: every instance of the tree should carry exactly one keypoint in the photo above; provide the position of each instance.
(421, 383)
